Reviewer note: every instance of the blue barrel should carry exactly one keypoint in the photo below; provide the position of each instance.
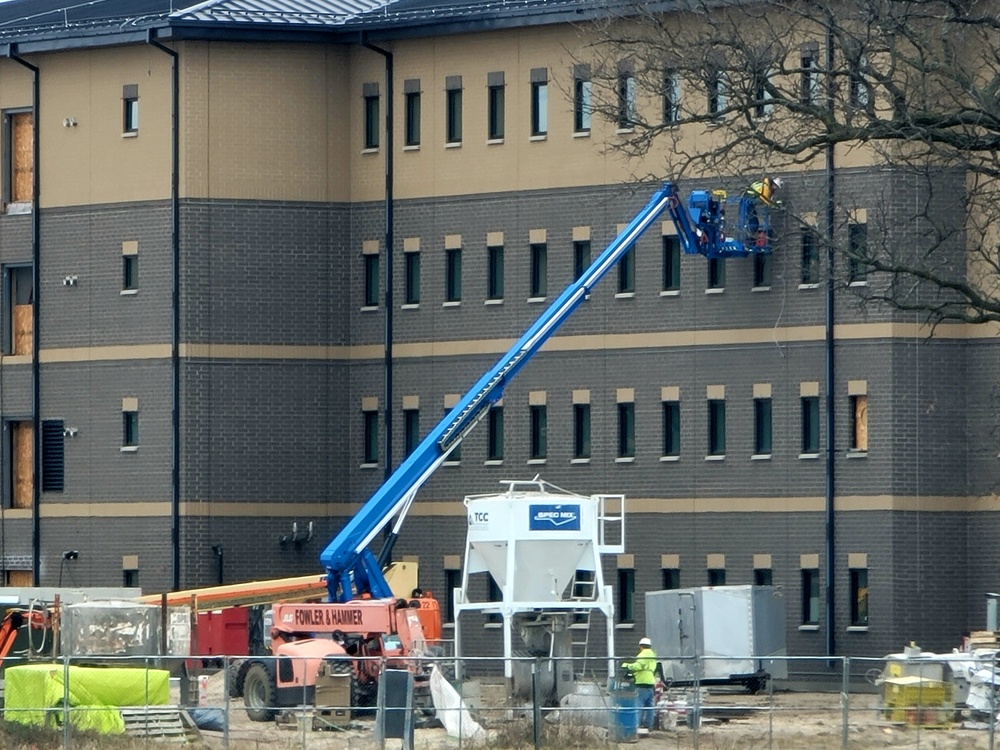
(623, 716)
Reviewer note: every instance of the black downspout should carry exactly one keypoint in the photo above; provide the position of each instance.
(389, 238)
(175, 334)
(36, 285)
(831, 518)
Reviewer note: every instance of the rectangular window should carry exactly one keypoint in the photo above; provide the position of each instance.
(53, 455)
(493, 594)
(716, 93)
(671, 579)
(582, 102)
(539, 270)
(626, 430)
(581, 430)
(859, 423)
(455, 456)
(370, 437)
(453, 109)
(411, 430)
(130, 108)
(671, 96)
(494, 446)
(495, 106)
(716, 273)
(411, 112)
(762, 426)
(18, 293)
(371, 115)
(411, 292)
(581, 258)
(626, 99)
(539, 101)
(860, 91)
(810, 257)
(671, 428)
(857, 253)
(19, 448)
(763, 577)
(716, 427)
(810, 596)
(453, 275)
(539, 432)
(626, 595)
(371, 280)
(130, 578)
(130, 429)
(452, 580)
(671, 264)
(130, 273)
(19, 139)
(762, 98)
(716, 576)
(762, 271)
(810, 424)
(859, 597)
(494, 272)
(809, 91)
(626, 272)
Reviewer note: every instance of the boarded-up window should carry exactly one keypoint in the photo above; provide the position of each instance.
(22, 163)
(18, 295)
(19, 578)
(859, 420)
(22, 450)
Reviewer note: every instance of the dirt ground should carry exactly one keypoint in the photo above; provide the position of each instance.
(786, 721)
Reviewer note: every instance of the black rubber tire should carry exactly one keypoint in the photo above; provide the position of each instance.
(260, 693)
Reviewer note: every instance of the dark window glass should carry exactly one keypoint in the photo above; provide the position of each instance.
(762, 270)
(716, 273)
(671, 96)
(810, 596)
(671, 428)
(371, 280)
(539, 270)
(130, 121)
(371, 437)
(810, 424)
(581, 430)
(371, 122)
(762, 576)
(453, 275)
(626, 272)
(411, 430)
(810, 257)
(762, 426)
(412, 105)
(494, 448)
(493, 594)
(857, 252)
(130, 272)
(671, 264)
(626, 101)
(626, 595)
(809, 93)
(582, 105)
(130, 428)
(716, 576)
(494, 279)
(412, 287)
(671, 578)
(716, 427)
(626, 430)
(454, 116)
(496, 113)
(581, 258)
(539, 432)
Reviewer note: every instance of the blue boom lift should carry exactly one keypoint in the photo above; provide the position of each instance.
(352, 569)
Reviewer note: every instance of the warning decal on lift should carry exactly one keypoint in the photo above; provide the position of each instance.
(554, 518)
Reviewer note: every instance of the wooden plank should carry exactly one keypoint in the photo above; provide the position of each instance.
(22, 152)
(24, 448)
(24, 328)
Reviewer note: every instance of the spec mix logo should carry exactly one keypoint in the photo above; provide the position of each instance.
(554, 518)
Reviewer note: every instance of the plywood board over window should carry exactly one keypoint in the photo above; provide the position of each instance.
(23, 438)
(860, 407)
(24, 326)
(22, 166)
(19, 578)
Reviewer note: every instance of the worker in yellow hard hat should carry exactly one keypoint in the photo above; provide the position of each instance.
(643, 669)
(765, 190)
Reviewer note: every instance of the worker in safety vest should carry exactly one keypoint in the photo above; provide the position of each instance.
(643, 669)
(765, 190)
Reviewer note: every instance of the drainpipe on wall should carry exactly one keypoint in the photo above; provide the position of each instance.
(388, 247)
(36, 422)
(175, 334)
(831, 518)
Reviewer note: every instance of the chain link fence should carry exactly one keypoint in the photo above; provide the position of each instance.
(328, 704)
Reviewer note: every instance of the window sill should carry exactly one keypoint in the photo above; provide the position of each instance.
(579, 460)
(131, 134)
(537, 461)
(492, 625)
(857, 628)
(760, 289)
(808, 628)
(625, 460)
(414, 147)
(536, 300)
(670, 293)
(857, 283)
(856, 454)
(452, 303)
(493, 302)
(368, 466)
(493, 462)
(718, 290)
(494, 141)
(21, 207)
(720, 457)
(669, 458)
(625, 295)
(808, 286)
(624, 131)
(538, 137)
(17, 359)
(452, 463)
(808, 456)
(582, 134)
(129, 448)
(128, 292)
(456, 144)
(760, 457)
(369, 151)
(410, 306)
(625, 626)
(369, 308)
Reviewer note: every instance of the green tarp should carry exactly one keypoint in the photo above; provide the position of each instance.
(33, 694)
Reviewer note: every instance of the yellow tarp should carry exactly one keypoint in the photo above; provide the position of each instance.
(33, 694)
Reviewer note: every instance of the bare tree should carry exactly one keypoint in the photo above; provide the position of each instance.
(906, 88)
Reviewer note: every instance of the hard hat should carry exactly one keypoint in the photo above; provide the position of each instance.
(645, 642)
(776, 182)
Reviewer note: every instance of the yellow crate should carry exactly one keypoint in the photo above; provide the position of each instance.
(918, 701)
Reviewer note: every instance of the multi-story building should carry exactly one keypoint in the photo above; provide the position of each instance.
(194, 257)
